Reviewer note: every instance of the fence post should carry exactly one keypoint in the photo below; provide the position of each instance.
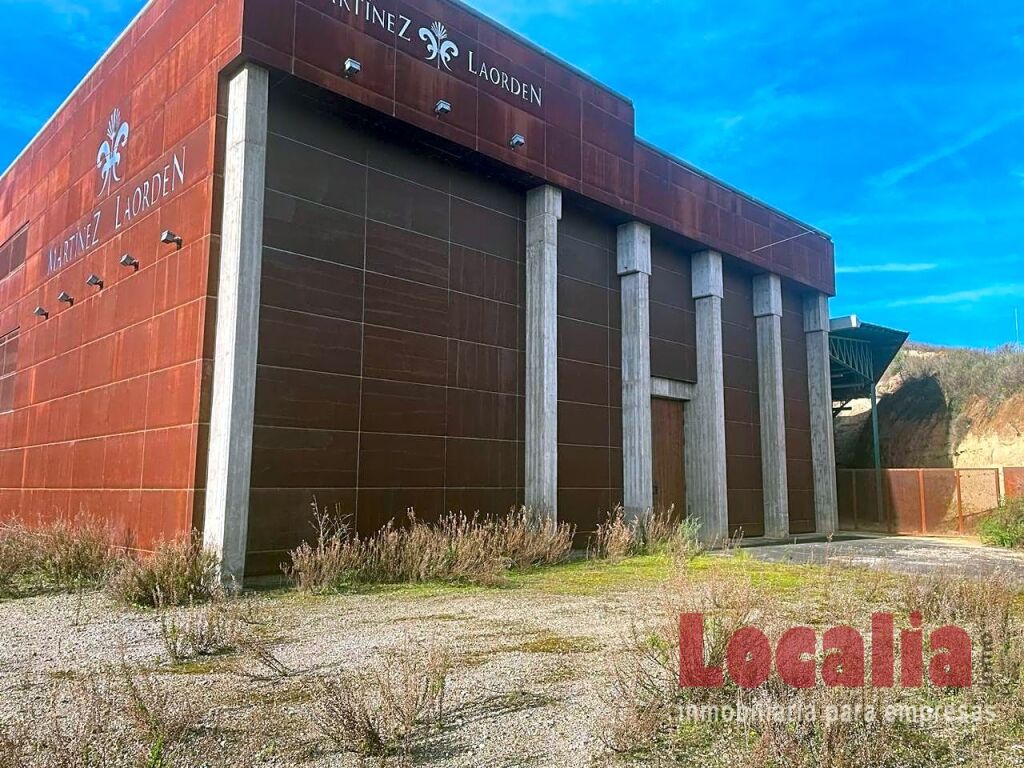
(959, 503)
(924, 514)
(999, 486)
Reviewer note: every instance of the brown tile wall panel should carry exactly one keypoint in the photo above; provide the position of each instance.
(162, 79)
(673, 318)
(589, 370)
(579, 135)
(742, 420)
(104, 409)
(390, 378)
(798, 414)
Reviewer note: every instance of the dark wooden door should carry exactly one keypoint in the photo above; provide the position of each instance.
(667, 439)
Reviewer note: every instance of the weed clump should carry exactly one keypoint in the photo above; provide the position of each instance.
(179, 572)
(1005, 526)
(650, 718)
(655, 533)
(457, 549)
(379, 712)
(63, 555)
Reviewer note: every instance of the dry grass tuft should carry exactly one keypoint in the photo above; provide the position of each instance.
(456, 549)
(655, 533)
(112, 718)
(380, 712)
(63, 555)
(649, 718)
(209, 630)
(179, 572)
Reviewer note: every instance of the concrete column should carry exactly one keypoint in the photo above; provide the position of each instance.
(238, 300)
(819, 381)
(543, 212)
(768, 314)
(706, 489)
(634, 269)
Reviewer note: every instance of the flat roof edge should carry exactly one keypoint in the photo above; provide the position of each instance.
(701, 172)
(457, 3)
(539, 49)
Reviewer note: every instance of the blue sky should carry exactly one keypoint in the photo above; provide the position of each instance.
(896, 127)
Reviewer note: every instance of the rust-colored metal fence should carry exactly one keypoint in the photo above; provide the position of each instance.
(1014, 481)
(936, 502)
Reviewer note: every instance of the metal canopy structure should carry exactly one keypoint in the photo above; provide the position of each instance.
(860, 353)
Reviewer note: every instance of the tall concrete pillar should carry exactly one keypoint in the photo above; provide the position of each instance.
(706, 489)
(226, 522)
(768, 315)
(634, 269)
(543, 212)
(819, 381)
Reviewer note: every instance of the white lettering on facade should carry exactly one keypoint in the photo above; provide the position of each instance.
(125, 208)
(505, 81)
(389, 21)
(400, 25)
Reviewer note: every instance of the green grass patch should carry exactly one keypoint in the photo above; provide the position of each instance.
(1005, 526)
(594, 577)
(549, 642)
(783, 578)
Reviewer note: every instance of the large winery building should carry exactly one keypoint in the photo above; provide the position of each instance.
(388, 254)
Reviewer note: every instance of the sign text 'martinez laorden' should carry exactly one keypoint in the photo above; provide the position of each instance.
(441, 49)
(124, 204)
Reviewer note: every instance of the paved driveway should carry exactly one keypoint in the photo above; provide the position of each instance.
(903, 554)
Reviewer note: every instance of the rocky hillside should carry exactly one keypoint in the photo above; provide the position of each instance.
(942, 407)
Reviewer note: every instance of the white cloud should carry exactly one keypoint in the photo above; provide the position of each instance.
(896, 266)
(1000, 290)
(86, 26)
(895, 175)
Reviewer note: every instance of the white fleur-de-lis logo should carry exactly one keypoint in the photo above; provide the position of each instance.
(439, 47)
(109, 157)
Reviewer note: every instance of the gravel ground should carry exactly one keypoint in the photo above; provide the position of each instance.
(532, 676)
(531, 669)
(902, 554)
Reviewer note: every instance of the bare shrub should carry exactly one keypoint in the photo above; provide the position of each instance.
(380, 711)
(649, 717)
(657, 532)
(112, 718)
(179, 572)
(458, 549)
(526, 539)
(65, 554)
(615, 539)
(965, 373)
(972, 380)
(210, 630)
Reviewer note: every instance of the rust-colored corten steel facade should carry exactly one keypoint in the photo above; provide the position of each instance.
(407, 306)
